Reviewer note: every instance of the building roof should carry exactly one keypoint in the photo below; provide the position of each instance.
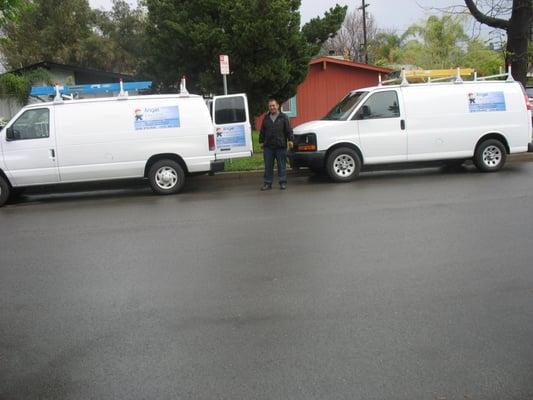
(73, 68)
(347, 63)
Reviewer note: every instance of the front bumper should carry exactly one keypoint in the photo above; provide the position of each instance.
(310, 159)
(530, 147)
(216, 166)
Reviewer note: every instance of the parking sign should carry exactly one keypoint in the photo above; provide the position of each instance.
(224, 64)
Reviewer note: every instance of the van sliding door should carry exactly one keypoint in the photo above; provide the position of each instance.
(232, 125)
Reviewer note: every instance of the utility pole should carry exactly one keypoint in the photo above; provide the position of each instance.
(363, 8)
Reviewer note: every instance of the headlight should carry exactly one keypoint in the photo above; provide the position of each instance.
(306, 142)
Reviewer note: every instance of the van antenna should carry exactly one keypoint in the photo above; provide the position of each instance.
(183, 86)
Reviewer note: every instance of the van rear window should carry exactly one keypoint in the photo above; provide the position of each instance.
(230, 110)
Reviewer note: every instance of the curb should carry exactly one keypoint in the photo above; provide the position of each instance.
(257, 173)
(522, 157)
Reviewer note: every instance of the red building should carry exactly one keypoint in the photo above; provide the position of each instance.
(328, 80)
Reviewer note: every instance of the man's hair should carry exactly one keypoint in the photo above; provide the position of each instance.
(273, 99)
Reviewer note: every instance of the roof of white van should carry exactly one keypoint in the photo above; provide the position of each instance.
(425, 84)
(127, 98)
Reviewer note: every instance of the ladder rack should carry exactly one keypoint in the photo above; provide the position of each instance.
(442, 75)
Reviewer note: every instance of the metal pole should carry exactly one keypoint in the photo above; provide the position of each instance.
(225, 84)
(363, 8)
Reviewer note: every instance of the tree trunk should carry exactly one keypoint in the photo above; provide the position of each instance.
(517, 39)
(518, 32)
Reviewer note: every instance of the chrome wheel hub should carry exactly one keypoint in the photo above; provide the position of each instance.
(344, 165)
(492, 156)
(166, 177)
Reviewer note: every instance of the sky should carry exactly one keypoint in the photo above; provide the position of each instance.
(389, 14)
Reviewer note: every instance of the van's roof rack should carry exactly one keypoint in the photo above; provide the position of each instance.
(64, 91)
(437, 75)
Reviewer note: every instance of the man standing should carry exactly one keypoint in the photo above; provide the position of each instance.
(274, 137)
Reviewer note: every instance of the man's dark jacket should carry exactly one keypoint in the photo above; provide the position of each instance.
(274, 134)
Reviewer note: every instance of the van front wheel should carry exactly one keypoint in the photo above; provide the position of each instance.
(490, 156)
(166, 177)
(4, 191)
(343, 164)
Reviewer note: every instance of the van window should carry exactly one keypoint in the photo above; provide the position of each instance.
(230, 110)
(344, 108)
(32, 124)
(380, 105)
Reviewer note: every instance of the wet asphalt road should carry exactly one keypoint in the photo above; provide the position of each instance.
(401, 285)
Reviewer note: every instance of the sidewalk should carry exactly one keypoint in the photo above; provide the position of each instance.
(523, 157)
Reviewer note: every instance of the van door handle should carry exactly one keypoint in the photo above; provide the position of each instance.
(402, 124)
(52, 153)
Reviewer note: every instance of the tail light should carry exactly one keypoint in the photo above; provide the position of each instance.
(526, 97)
(211, 141)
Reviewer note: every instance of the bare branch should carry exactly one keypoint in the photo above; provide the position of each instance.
(485, 19)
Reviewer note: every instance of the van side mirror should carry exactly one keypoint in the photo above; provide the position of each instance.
(10, 134)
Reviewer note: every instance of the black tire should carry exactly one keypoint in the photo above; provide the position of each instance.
(343, 164)
(5, 191)
(490, 156)
(166, 177)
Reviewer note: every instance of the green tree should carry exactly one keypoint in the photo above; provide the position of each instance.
(18, 86)
(319, 30)
(10, 10)
(120, 42)
(49, 30)
(268, 52)
(439, 43)
(386, 49)
(483, 59)
(70, 32)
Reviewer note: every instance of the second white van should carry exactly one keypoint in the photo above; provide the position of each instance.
(451, 122)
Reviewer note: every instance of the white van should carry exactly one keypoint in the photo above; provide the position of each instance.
(159, 137)
(451, 122)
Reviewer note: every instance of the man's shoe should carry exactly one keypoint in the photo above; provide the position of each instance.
(266, 186)
(283, 186)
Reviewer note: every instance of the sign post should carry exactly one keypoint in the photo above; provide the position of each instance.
(224, 70)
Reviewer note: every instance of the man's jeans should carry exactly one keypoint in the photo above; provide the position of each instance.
(281, 157)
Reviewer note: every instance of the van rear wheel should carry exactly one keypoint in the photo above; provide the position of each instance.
(343, 164)
(166, 177)
(490, 156)
(5, 190)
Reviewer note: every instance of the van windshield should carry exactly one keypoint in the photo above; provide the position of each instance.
(344, 108)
